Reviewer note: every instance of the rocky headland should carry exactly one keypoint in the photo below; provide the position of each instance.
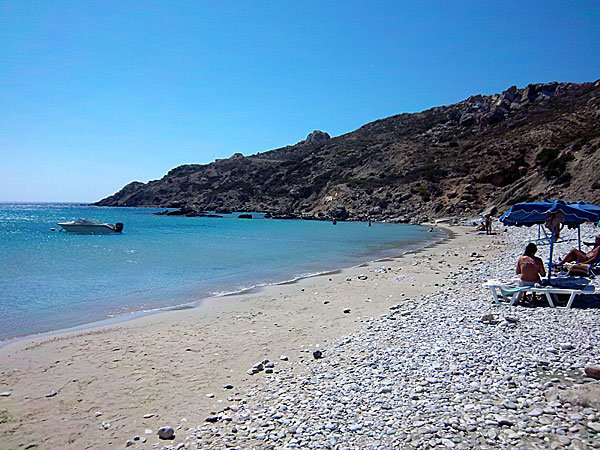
(481, 154)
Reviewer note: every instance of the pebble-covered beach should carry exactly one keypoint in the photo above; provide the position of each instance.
(409, 352)
(430, 373)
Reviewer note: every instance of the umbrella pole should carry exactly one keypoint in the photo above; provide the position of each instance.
(579, 236)
(551, 250)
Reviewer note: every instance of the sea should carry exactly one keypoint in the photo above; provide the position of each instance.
(55, 280)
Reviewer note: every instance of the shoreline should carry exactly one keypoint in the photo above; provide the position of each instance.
(189, 369)
(179, 360)
(110, 321)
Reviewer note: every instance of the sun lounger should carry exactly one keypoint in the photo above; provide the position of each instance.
(511, 293)
(593, 270)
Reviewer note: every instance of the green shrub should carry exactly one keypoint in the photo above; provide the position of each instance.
(423, 192)
(553, 164)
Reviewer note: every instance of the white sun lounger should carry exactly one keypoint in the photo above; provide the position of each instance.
(511, 293)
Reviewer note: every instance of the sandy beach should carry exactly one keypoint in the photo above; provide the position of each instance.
(114, 386)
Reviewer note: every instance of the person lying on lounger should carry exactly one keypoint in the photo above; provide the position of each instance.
(530, 267)
(579, 256)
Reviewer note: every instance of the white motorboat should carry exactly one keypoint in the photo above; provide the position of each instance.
(91, 227)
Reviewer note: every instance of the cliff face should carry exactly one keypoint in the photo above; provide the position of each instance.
(484, 152)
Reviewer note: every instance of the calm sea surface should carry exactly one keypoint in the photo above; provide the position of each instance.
(53, 280)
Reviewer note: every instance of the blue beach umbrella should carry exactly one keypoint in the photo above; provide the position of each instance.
(536, 213)
(589, 207)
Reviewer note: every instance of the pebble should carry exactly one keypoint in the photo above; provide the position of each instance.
(166, 433)
(436, 376)
(147, 416)
(536, 412)
(594, 426)
(509, 405)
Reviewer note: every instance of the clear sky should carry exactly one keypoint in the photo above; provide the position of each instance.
(95, 94)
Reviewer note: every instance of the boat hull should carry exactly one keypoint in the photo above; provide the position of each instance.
(88, 229)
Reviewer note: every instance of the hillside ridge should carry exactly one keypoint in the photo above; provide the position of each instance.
(481, 154)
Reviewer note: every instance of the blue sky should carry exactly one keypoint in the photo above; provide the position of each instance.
(95, 94)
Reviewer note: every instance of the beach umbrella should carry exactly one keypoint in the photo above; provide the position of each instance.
(551, 213)
(536, 213)
(589, 207)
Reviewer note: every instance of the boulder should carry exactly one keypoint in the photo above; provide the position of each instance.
(467, 119)
(317, 136)
(300, 192)
(510, 94)
(338, 212)
(496, 114)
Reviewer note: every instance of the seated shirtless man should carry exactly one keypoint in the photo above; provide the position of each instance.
(530, 267)
(585, 258)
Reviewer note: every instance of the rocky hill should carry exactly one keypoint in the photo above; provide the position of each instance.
(486, 152)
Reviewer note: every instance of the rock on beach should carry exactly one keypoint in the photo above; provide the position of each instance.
(166, 433)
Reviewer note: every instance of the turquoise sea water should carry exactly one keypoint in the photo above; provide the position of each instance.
(54, 280)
